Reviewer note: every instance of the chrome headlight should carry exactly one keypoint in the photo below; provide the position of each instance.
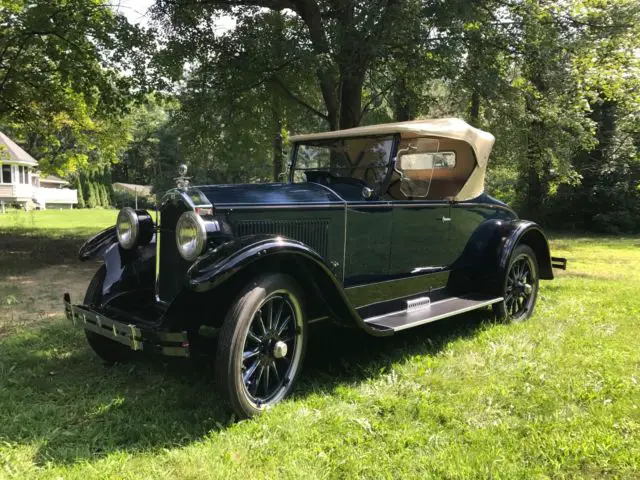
(191, 236)
(128, 228)
(133, 228)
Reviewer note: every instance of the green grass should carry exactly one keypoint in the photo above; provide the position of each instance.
(57, 223)
(31, 240)
(557, 396)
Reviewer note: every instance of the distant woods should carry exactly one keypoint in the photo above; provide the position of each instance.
(557, 83)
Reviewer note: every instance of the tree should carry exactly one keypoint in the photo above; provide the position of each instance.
(57, 54)
(340, 42)
(92, 196)
(80, 192)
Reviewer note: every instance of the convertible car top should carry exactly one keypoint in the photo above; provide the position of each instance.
(454, 130)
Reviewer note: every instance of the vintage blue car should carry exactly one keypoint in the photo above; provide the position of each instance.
(381, 228)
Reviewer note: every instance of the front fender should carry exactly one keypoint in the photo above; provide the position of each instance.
(229, 258)
(232, 258)
(129, 271)
(97, 245)
(126, 270)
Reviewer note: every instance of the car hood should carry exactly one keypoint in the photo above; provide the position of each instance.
(269, 194)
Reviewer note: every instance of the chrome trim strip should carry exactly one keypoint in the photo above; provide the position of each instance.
(358, 204)
(262, 206)
(323, 186)
(373, 204)
(419, 303)
(344, 245)
(409, 277)
(158, 235)
(317, 320)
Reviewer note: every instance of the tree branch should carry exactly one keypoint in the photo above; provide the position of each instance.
(298, 100)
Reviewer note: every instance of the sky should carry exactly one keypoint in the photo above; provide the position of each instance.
(137, 11)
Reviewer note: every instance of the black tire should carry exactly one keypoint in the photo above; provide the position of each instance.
(519, 286)
(110, 352)
(250, 350)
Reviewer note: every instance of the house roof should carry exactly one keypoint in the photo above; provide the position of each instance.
(54, 179)
(10, 152)
(141, 190)
(453, 128)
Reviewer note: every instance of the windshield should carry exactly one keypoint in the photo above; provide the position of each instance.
(364, 160)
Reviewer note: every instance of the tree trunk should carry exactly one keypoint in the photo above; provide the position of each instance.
(277, 147)
(589, 163)
(474, 110)
(351, 98)
(404, 102)
(534, 173)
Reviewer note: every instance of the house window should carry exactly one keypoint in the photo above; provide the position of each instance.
(5, 176)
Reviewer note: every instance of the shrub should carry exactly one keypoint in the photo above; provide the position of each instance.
(621, 221)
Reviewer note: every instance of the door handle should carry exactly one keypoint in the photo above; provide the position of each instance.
(445, 219)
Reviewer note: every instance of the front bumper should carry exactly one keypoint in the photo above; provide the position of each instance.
(136, 337)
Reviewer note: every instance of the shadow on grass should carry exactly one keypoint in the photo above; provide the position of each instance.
(55, 392)
(25, 253)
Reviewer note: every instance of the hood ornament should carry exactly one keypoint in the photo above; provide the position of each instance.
(182, 181)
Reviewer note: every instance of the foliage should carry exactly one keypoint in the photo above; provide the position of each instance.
(60, 55)
(68, 71)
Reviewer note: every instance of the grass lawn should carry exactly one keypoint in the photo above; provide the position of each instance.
(57, 223)
(557, 396)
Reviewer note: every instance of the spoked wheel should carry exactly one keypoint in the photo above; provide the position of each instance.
(261, 345)
(520, 289)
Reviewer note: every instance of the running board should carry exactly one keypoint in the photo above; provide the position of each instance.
(412, 317)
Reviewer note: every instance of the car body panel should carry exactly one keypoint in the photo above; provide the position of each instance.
(268, 195)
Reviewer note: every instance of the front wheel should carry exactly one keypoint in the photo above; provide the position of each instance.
(261, 345)
(108, 350)
(520, 286)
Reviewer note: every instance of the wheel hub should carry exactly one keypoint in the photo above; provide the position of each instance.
(524, 288)
(279, 349)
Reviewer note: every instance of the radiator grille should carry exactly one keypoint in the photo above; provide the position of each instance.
(314, 233)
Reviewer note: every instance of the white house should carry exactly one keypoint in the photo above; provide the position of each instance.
(20, 182)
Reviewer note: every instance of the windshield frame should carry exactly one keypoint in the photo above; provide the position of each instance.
(395, 141)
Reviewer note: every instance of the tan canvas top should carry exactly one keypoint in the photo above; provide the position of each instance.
(480, 141)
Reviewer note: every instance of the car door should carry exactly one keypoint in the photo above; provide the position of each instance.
(420, 237)
(421, 254)
(367, 240)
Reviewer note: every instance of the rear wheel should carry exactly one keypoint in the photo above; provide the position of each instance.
(109, 351)
(261, 345)
(520, 286)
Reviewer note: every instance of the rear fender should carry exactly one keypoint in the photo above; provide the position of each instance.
(227, 267)
(525, 232)
(485, 259)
